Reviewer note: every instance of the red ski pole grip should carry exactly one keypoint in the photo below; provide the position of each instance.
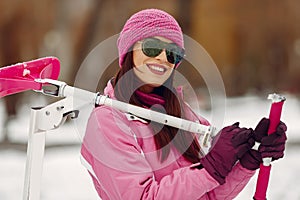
(274, 116)
(262, 182)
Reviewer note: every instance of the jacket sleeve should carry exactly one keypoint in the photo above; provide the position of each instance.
(120, 171)
(236, 180)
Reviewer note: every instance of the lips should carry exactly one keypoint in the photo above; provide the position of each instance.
(157, 69)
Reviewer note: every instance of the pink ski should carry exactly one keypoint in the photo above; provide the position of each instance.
(21, 76)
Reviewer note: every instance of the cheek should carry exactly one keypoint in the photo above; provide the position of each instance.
(138, 58)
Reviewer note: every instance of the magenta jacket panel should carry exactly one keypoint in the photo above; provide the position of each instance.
(119, 152)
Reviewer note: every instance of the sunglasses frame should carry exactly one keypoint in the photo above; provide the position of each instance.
(153, 47)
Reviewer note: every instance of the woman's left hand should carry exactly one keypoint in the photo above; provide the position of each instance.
(272, 145)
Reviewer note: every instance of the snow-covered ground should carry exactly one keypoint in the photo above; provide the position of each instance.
(65, 178)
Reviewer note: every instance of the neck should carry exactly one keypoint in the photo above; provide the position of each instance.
(146, 88)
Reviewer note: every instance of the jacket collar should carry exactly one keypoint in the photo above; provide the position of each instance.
(109, 90)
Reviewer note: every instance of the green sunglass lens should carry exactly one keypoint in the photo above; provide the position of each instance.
(151, 48)
(174, 54)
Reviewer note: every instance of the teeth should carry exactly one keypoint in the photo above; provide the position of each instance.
(157, 68)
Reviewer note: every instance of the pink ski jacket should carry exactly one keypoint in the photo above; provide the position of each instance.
(119, 152)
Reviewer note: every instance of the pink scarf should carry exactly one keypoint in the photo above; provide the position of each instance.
(150, 99)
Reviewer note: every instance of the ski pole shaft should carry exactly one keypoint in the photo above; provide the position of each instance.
(63, 90)
(156, 116)
(265, 167)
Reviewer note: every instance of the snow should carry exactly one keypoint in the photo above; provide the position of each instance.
(65, 178)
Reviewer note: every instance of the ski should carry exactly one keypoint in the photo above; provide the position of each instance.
(21, 76)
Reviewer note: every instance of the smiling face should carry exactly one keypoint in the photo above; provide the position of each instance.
(153, 71)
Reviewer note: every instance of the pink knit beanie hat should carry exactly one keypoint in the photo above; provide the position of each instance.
(148, 23)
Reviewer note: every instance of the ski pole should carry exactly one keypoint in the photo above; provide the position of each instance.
(265, 167)
(61, 89)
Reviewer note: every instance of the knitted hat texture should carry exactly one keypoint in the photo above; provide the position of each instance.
(148, 23)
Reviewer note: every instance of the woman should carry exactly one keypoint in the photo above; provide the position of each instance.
(132, 158)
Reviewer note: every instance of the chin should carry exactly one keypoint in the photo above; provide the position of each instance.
(155, 84)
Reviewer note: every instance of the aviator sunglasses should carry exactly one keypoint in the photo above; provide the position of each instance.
(152, 47)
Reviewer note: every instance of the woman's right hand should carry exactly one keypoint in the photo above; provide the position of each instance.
(231, 144)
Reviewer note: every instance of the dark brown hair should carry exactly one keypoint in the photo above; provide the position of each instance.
(125, 83)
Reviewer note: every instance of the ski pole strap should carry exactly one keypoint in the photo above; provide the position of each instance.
(265, 167)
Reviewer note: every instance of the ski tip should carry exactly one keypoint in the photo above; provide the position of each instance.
(20, 77)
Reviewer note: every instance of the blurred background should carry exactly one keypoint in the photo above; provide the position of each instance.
(255, 44)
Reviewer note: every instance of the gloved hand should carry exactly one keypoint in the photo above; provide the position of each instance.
(231, 144)
(271, 145)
